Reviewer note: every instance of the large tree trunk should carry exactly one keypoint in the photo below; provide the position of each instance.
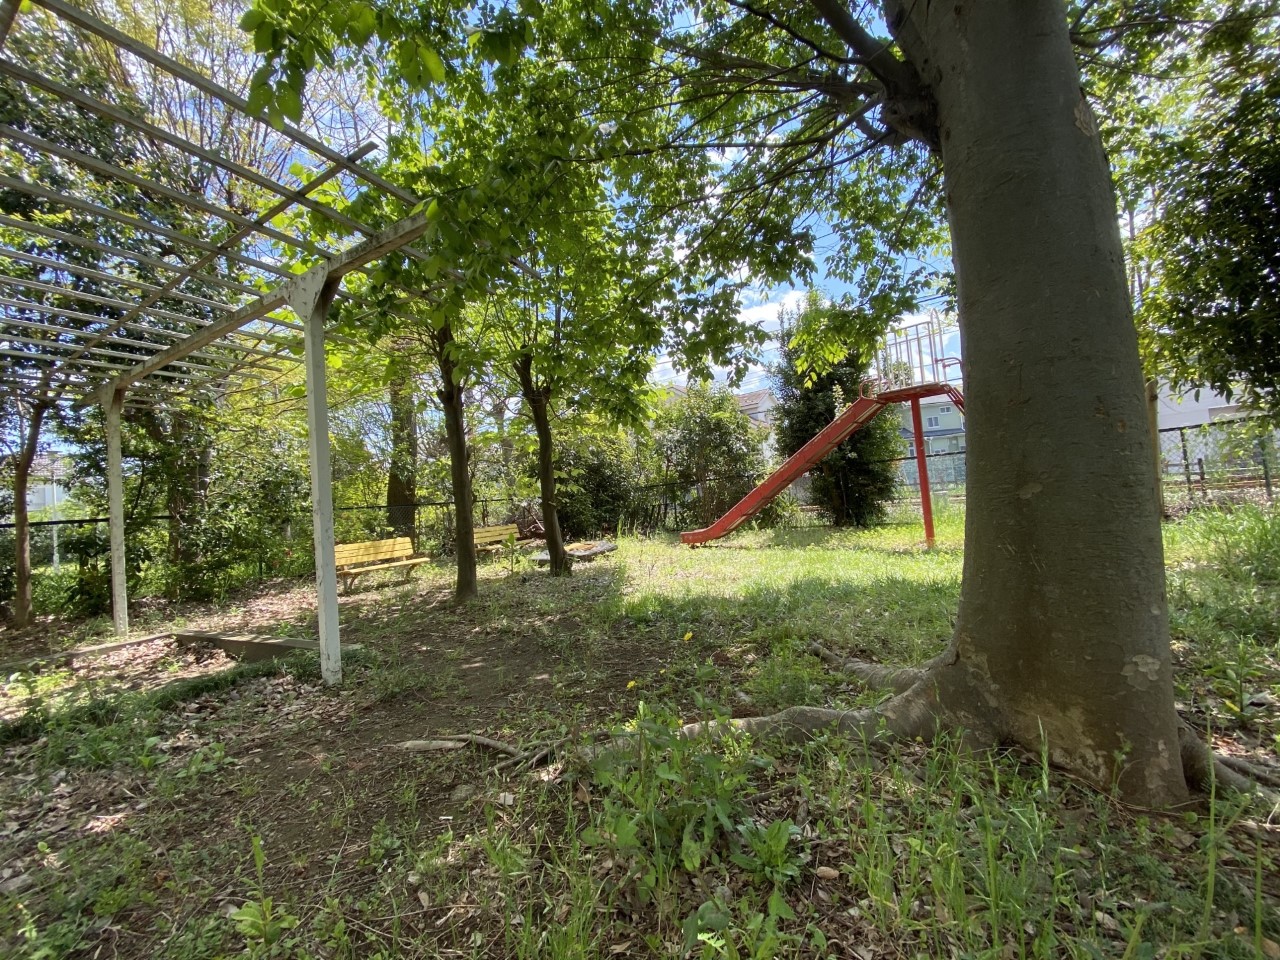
(539, 401)
(402, 484)
(23, 612)
(1062, 635)
(455, 431)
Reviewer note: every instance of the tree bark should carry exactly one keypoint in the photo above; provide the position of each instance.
(402, 484)
(455, 431)
(23, 611)
(1062, 634)
(539, 400)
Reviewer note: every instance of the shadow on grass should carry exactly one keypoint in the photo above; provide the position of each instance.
(614, 618)
(909, 540)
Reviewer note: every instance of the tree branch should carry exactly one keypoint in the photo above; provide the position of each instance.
(873, 53)
(779, 23)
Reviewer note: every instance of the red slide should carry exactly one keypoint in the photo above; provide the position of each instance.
(857, 414)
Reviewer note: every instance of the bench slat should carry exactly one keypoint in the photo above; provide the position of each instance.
(495, 534)
(370, 550)
(383, 566)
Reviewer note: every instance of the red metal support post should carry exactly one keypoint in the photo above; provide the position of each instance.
(922, 468)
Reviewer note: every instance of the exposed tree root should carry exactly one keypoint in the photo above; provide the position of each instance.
(454, 741)
(1250, 770)
(476, 739)
(914, 712)
(907, 716)
(897, 679)
(1203, 768)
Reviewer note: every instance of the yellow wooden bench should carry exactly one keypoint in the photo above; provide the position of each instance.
(492, 538)
(367, 556)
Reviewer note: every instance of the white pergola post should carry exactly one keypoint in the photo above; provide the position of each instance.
(314, 294)
(112, 406)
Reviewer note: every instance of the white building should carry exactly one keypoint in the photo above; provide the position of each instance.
(1194, 408)
(45, 490)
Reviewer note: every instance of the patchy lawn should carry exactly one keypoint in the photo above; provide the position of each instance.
(163, 802)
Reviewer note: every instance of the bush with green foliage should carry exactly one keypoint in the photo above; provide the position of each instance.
(853, 483)
(1210, 315)
(601, 474)
(708, 452)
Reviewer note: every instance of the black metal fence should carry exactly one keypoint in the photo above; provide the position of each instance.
(1225, 461)
(946, 474)
(71, 573)
(1222, 461)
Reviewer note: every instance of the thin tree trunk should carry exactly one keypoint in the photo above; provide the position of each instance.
(539, 401)
(179, 500)
(455, 431)
(505, 444)
(402, 474)
(23, 611)
(1062, 636)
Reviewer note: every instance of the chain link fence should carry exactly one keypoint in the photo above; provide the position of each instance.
(1231, 461)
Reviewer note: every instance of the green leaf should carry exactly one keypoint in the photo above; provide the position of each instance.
(779, 907)
(361, 23)
(432, 63)
(252, 19)
(407, 60)
(260, 98)
(290, 102)
(264, 38)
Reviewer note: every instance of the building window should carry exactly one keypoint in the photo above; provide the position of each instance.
(944, 409)
(931, 422)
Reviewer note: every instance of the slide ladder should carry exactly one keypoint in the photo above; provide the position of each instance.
(859, 413)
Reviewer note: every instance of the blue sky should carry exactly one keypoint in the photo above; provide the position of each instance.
(763, 306)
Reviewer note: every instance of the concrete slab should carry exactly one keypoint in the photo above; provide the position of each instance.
(252, 647)
(588, 550)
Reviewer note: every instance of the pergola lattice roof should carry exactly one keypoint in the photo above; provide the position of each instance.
(159, 301)
(215, 304)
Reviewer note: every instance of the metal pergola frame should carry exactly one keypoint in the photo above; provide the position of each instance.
(140, 348)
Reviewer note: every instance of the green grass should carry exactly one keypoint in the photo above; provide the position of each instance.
(339, 846)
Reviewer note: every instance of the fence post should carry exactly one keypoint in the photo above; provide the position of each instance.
(1264, 443)
(1153, 424)
(1204, 490)
(1186, 460)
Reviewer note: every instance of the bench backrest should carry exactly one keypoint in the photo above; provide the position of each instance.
(367, 551)
(496, 534)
